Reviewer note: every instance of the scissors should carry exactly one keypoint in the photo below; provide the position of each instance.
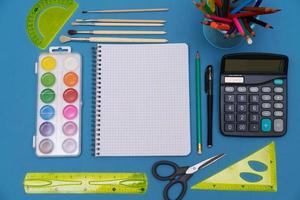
(180, 175)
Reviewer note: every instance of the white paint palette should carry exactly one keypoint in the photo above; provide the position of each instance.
(58, 120)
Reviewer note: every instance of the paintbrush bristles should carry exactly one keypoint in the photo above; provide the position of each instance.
(64, 39)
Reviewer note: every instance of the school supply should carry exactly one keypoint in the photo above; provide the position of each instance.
(114, 24)
(259, 22)
(236, 17)
(46, 18)
(85, 183)
(58, 120)
(257, 172)
(121, 20)
(114, 32)
(198, 96)
(64, 39)
(128, 10)
(209, 92)
(142, 100)
(253, 94)
(180, 175)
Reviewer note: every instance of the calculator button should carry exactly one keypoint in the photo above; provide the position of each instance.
(229, 108)
(266, 105)
(253, 127)
(254, 108)
(242, 108)
(278, 89)
(278, 125)
(266, 97)
(229, 89)
(242, 127)
(229, 127)
(278, 97)
(242, 98)
(253, 89)
(266, 125)
(253, 118)
(254, 98)
(229, 98)
(278, 113)
(242, 118)
(266, 89)
(241, 89)
(278, 105)
(229, 117)
(266, 113)
(278, 81)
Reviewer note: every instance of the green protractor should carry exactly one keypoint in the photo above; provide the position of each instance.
(46, 18)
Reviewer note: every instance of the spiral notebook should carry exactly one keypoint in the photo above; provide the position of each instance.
(142, 100)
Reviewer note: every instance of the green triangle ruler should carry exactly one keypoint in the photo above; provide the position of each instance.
(244, 175)
(46, 18)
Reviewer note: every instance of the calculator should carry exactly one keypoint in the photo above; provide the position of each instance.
(253, 94)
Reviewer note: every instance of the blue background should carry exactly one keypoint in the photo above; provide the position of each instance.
(18, 102)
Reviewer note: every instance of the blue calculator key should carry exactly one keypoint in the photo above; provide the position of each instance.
(278, 81)
(266, 125)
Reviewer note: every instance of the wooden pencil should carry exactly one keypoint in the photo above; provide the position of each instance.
(259, 22)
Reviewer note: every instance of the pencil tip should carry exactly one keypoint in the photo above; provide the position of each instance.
(84, 11)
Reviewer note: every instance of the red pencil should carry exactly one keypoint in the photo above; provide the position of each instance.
(217, 18)
(219, 3)
(247, 14)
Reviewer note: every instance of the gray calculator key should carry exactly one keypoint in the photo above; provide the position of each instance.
(278, 97)
(242, 108)
(278, 89)
(266, 113)
(266, 97)
(242, 127)
(242, 98)
(229, 118)
(229, 127)
(254, 108)
(229, 98)
(229, 89)
(229, 108)
(278, 105)
(253, 127)
(254, 118)
(278, 113)
(266, 105)
(253, 89)
(254, 98)
(278, 125)
(266, 89)
(242, 118)
(241, 89)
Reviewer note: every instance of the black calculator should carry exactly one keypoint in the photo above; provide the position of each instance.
(253, 94)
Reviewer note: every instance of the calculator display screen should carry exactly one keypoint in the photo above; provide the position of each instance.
(254, 66)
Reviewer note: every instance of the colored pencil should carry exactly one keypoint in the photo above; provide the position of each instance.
(200, 7)
(207, 8)
(212, 5)
(219, 3)
(261, 9)
(198, 96)
(259, 22)
(248, 14)
(258, 2)
(228, 33)
(226, 6)
(216, 18)
(220, 26)
(239, 26)
(240, 6)
(248, 27)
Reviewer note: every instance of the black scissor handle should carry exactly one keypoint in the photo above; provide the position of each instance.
(171, 184)
(165, 163)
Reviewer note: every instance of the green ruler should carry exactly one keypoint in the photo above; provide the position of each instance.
(85, 183)
(235, 176)
(46, 18)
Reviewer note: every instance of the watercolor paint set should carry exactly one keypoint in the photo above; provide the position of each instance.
(58, 120)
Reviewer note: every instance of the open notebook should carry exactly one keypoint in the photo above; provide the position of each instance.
(142, 100)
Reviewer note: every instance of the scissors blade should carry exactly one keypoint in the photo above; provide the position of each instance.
(204, 163)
